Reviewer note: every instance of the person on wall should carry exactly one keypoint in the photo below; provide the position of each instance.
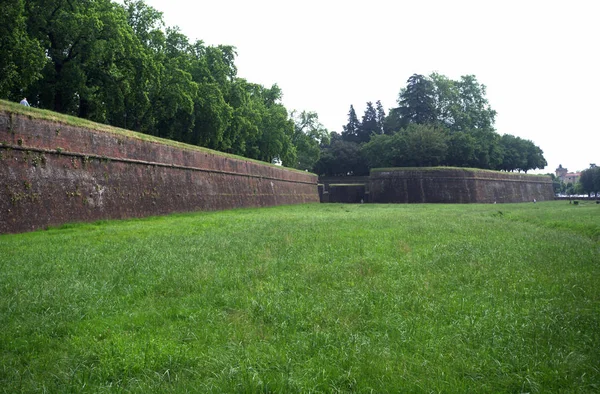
(25, 102)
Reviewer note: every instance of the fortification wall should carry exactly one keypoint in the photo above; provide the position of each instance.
(52, 173)
(347, 193)
(344, 189)
(456, 185)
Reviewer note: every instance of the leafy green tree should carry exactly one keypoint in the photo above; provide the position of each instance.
(264, 123)
(414, 146)
(535, 157)
(145, 21)
(488, 151)
(462, 105)
(519, 154)
(22, 57)
(384, 150)
(447, 100)
(590, 180)
(461, 150)
(143, 70)
(341, 158)
(476, 112)
(309, 134)
(514, 153)
(82, 43)
(212, 115)
(392, 122)
(425, 146)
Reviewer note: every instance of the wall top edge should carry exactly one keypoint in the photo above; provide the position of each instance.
(8, 108)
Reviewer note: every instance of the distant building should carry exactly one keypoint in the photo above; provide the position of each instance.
(567, 177)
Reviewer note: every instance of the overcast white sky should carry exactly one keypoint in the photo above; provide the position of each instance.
(540, 60)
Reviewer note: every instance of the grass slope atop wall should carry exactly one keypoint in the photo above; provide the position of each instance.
(57, 169)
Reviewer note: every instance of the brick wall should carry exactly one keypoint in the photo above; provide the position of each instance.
(456, 185)
(53, 173)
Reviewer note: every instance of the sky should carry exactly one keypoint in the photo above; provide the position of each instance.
(539, 60)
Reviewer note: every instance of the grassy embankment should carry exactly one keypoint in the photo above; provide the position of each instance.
(43, 114)
(389, 298)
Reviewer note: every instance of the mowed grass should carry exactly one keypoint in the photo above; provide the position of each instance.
(310, 298)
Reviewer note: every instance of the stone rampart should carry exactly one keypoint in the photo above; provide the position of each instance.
(54, 172)
(456, 185)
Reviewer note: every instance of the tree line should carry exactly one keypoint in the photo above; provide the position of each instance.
(118, 64)
(438, 122)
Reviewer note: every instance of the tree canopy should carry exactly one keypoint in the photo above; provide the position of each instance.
(590, 180)
(118, 64)
(438, 121)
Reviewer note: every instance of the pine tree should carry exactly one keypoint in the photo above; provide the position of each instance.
(380, 117)
(351, 129)
(417, 101)
(369, 125)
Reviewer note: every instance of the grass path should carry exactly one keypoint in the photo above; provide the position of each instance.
(310, 298)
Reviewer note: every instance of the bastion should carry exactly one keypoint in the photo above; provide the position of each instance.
(456, 185)
(56, 169)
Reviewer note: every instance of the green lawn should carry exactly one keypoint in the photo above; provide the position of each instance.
(310, 298)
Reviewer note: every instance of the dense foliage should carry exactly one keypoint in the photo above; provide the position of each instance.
(118, 64)
(589, 180)
(438, 121)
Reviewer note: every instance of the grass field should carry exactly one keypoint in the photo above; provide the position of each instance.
(310, 298)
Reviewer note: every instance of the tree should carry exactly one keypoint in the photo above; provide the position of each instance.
(425, 146)
(118, 64)
(384, 150)
(476, 112)
(369, 125)
(309, 134)
(520, 154)
(351, 131)
(535, 157)
(392, 122)
(417, 101)
(271, 129)
(461, 150)
(590, 180)
(514, 153)
(488, 152)
(380, 117)
(144, 68)
(461, 105)
(341, 158)
(22, 58)
(414, 146)
(82, 43)
(447, 100)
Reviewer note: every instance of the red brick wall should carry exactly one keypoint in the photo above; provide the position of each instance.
(53, 173)
(456, 185)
